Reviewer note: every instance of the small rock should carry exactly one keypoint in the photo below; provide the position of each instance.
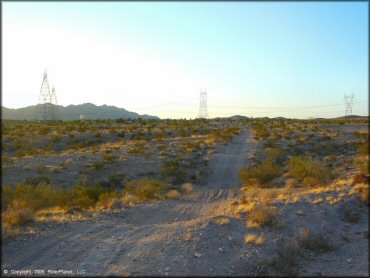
(211, 269)
(220, 249)
(166, 274)
(197, 255)
(230, 238)
(167, 269)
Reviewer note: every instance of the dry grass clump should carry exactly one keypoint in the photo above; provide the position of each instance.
(262, 215)
(362, 191)
(318, 201)
(173, 194)
(254, 239)
(223, 221)
(110, 201)
(129, 199)
(109, 157)
(267, 195)
(53, 213)
(187, 187)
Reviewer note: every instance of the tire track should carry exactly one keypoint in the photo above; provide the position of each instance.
(145, 241)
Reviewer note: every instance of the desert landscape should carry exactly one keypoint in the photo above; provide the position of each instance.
(199, 197)
(185, 139)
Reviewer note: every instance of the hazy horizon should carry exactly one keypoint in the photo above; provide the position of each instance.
(294, 60)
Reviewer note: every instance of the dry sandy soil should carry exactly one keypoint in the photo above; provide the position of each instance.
(199, 234)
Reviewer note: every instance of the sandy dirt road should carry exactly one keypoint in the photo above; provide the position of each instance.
(176, 237)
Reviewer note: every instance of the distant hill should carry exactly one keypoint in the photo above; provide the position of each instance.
(235, 117)
(352, 117)
(73, 112)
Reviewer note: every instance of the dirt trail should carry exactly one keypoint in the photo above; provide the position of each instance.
(176, 237)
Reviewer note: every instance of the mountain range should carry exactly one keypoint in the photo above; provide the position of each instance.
(73, 112)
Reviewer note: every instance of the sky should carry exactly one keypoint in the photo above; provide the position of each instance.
(291, 59)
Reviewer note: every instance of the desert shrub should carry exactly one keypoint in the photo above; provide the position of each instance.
(121, 134)
(16, 216)
(274, 154)
(80, 196)
(44, 130)
(362, 176)
(189, 146)
(363, 166)
(36, 180)
(109, 200)
(171, 169)
(116, 179)
(351, 215)
(139, 148)
(260, 130)
(363, 148)
(146, 189)
(41, 167)
(263, 215)
(97, 165)
(98, 135)
(259, 176)
(308, 171)
(109, 157)
(55, 138)
(285, 259)
(84, 196)
(362, 191)
(315, 241)
(33, 197)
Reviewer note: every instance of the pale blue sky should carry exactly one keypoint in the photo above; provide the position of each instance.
(254, 59)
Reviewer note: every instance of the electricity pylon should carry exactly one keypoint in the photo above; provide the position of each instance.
(349, 104)
(203, 111)
(47, 101)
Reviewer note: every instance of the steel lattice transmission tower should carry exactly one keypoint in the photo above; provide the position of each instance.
(203, 111)
(349, 104)
(47, 105)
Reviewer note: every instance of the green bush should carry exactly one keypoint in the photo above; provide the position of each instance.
(33, 197)
(363, 148)
(147, 189)
(259, 176)
(260, 130)
(83, 196)
(274, 154)
(308, 171)
(171, 169)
